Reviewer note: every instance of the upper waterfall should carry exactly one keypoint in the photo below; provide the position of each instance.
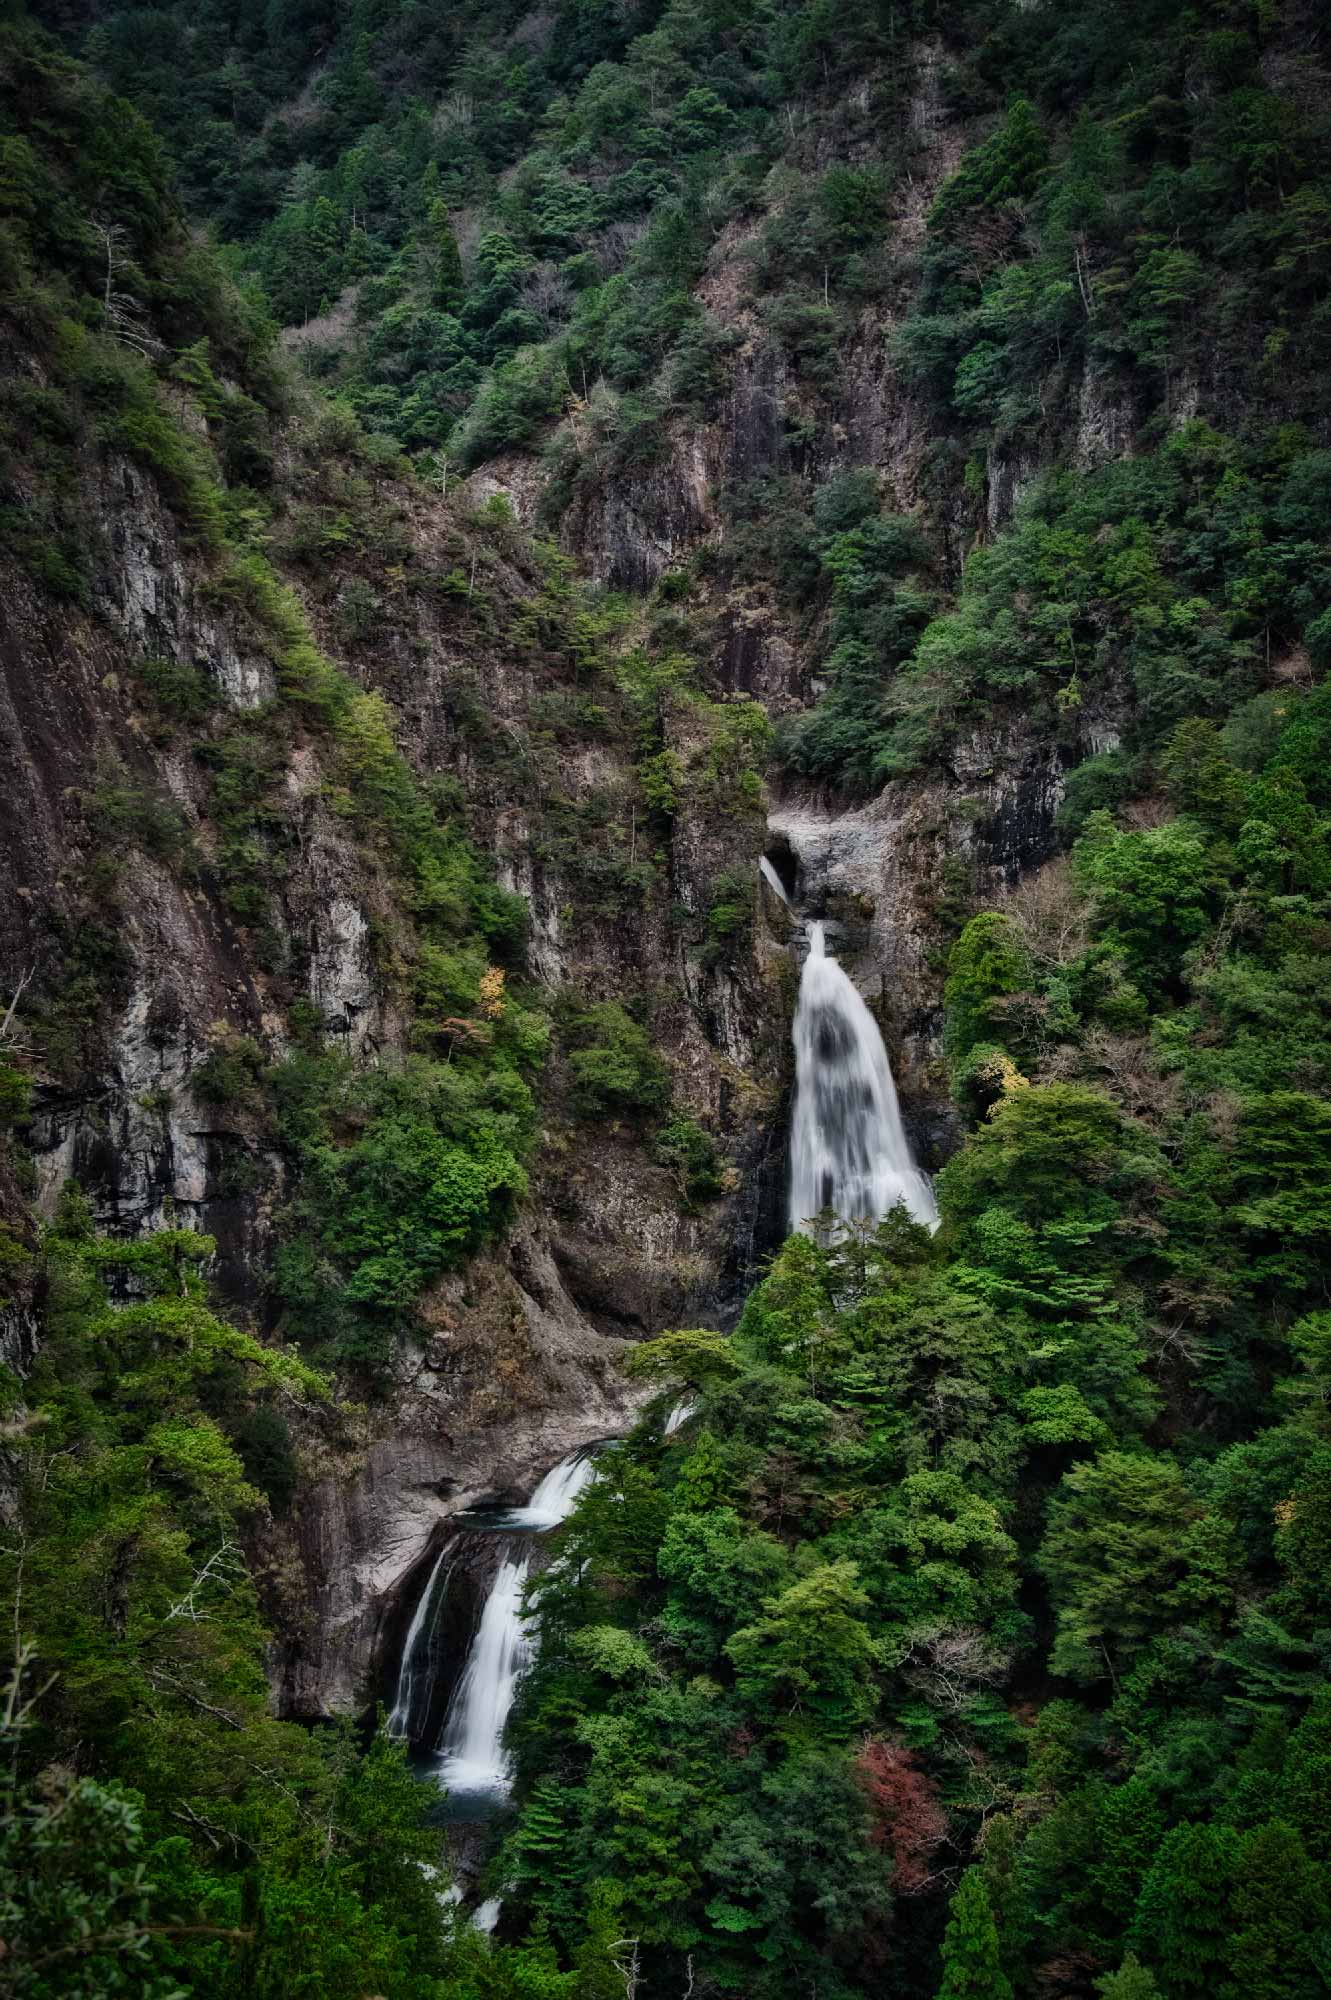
(773, 880)
(554, 1499)
(848, 1147)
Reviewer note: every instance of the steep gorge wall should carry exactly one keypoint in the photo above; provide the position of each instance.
(517, 1361)
(886, 867)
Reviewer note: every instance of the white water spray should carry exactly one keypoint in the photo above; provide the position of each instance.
(555, 1497)
(472, 1759)
(471, 1752)
(416, 1650)
(679, 1415)
(848, 1147)
(773, 880)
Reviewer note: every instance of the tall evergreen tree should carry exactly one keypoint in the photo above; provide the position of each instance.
(972, 1967)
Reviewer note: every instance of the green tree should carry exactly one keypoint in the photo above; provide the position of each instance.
(972, 1967)
(1281, 1910)
(78, 1904)
(1183, 1922)
(1150, 891)
(811, 1651)
(1132, 1981)
(1129, 1824)
(444, 257)
(988, 966)
(1114, 1555)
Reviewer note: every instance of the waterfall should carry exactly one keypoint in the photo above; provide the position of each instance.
(416, 1651)
(471, 1751)
(773, 880)
(848, 1148)
(472, 1761)
(679, 1415)
(554, 1498)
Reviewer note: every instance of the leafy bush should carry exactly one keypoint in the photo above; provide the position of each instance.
(729, 917)
(614, 1067)
(690, 1153)
(231, 1071)
(15, 1094)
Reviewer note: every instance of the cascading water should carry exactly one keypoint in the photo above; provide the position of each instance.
(472, 1766)
(679, 1415)
(848, 1147)
(471, 1752)
(773, 880)
(413, 1673)
(553, 1501)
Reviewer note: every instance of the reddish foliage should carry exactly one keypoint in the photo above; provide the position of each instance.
(907, 1816)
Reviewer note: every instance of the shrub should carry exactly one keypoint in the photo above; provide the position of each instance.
(729, 916)
(989, 964)
(690, 1154)
(614, 1066)
(182, 692)
(124, 814)
(15, 1094)
(230, 1072)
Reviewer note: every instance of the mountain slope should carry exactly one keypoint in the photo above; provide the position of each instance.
(891, 439)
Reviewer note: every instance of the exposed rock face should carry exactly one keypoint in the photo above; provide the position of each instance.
(879, 870)
(149, 597)
(519, 1364)
(514, 1379)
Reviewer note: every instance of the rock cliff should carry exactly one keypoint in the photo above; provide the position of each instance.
(514, 698)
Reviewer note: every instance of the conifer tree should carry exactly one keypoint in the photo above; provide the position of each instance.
(445, 258)
(1280, 1908)
(971, 1965)
(1183, 1921)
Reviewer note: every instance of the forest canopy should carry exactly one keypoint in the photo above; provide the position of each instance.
(966, 1630)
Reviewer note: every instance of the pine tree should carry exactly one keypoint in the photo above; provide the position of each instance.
(971, 1965)
(1280, 1908)
(446, 281)
(1183, 1919)
(1304, 1798)
(1128, 1828)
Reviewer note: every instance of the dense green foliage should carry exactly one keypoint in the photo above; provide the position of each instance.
(586, 155)
(1007, 1542)
(1143, 217)
(1019, 1534)
(226, 1854)
(973, 1635)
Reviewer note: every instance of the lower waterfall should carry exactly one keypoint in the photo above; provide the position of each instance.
(470, 1761)
(413, 1673)
(848, 1147)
